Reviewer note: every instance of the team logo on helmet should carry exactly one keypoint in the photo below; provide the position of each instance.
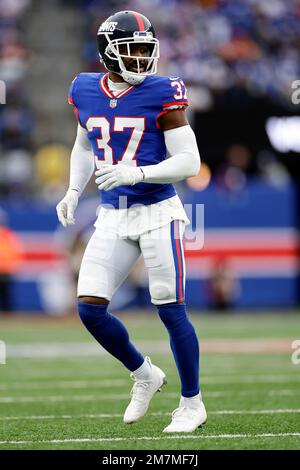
(108, 27)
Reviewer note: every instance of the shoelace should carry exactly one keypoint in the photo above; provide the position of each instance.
(180, 413)
(138, 388)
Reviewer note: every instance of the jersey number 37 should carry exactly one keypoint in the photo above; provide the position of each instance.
(137, 126)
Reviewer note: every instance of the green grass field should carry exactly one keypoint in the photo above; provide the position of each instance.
(58, 392)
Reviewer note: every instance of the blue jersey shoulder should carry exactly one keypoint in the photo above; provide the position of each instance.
(171, 90)
(82, 81)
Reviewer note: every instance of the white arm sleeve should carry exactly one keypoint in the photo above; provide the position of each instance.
(81, 162)
(184, 158)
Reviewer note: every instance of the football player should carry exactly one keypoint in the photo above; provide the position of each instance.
(129, 119)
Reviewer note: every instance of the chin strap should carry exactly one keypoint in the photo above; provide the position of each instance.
(132, 79)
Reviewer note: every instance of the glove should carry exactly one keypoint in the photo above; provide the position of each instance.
(66, 207)
(112, 176)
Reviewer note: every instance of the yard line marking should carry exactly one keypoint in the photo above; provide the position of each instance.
(86, 349)
(65, 384)
(37, 371)
(119, 415)
(56, 398)
(254, 412)
(284, 392)
(251, 379)
(154, 438)
(205, 380)
(125, 396)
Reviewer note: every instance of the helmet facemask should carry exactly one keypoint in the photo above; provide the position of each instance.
(145, 65)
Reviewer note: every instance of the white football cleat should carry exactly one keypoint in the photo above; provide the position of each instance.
(142, 392)
(187, 419)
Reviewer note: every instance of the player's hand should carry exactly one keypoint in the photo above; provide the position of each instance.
(66, 207)
(112, 176)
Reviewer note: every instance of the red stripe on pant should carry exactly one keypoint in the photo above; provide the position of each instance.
(178, 253)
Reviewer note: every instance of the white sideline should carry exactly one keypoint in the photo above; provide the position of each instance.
(158, 438)
(119, 415)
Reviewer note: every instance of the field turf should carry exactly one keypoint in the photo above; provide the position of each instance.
(57, 392)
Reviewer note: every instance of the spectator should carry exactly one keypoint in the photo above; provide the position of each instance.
(271, 170)
(15, 127)
(10, 258)
(52, 165)
(233, 173)
(16, 169)
(224, 288)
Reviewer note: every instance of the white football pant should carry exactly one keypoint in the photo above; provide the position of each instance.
(108, 259)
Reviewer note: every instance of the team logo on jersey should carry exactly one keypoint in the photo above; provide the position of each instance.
(108, 27)
(113, 103)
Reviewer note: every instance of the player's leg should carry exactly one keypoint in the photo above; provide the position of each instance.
(106, 263)
(164, 259)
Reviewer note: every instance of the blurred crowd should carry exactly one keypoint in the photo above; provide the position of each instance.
(24, 168)
(233, 49)
(219, 45)
(15, 116)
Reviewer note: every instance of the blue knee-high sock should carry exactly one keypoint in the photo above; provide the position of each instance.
(184, 345)
(110, 332)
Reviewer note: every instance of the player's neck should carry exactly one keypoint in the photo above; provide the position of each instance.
(114, 77)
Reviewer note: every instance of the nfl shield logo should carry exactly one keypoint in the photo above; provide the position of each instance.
(113, 103)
